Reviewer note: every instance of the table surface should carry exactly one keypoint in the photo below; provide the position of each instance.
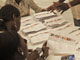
(31, 46)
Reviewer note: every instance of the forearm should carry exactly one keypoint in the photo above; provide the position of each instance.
(61, 1)
(34, 6)
(75, 2)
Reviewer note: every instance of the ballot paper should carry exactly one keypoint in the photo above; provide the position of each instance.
(63, 40)
(34, 27)
(61, 47)
(65, 29)
(26, 21)
(39, 36)
(55, 22)
(42, 16)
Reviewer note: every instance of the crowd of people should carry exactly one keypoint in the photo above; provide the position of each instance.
(12, 45)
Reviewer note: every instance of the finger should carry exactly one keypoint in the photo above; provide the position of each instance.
(58, 10)
(45, 44)
(46, 48)
(62, 12)
(52, 10)
(49, 8)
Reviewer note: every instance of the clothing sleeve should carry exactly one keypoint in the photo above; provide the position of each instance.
(74, 2)
(79, 1)
(34, 6)
(61, 1)
(2, 3)
(9, 1)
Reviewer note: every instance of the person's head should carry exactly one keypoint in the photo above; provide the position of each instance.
(9, 18)
(12, 47)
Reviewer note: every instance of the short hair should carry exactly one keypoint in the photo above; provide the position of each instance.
(9, 43)
(7, 12)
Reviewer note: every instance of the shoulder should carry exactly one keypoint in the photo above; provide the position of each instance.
(9, 1)
(26, 1)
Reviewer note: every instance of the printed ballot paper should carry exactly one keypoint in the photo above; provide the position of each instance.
(33, 28)
(39, 37)
(55, 22)
(26, 21)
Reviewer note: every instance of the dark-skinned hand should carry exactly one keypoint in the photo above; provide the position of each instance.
(45, 50)
(33, 55)
(53, 6)
(63, 7)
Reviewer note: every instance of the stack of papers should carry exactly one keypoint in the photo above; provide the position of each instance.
(33, 28)
(39, 36)
(55, 22)
(42, 16)
(26, 21)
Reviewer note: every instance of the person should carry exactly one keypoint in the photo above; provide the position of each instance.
(10, 21)
(9, 18)
(24, 6)
(12, 47)
(44, 50)
(60, 6)
(63, 6)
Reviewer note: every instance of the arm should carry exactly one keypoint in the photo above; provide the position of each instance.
(55, 5)
(75, 2)
(9, 2)
(34, 6)
(61, 1)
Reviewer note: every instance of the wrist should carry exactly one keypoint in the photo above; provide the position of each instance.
(69, 5)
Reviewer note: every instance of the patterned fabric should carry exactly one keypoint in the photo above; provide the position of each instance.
(24, 6)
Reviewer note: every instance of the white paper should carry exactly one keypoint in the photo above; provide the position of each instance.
(39, 37)
(33, 27)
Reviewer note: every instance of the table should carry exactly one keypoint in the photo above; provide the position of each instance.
(45, 22)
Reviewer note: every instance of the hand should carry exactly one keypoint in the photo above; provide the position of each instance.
(43, 10)
(53, 6)
(45, 50)
(33, 56)
(41, 58)
(63, 7)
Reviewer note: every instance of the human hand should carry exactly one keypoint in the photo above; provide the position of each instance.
(43, 10)
(33, 55)
(45, 50)
(63, 7)
(40, 58)
(53, 6)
